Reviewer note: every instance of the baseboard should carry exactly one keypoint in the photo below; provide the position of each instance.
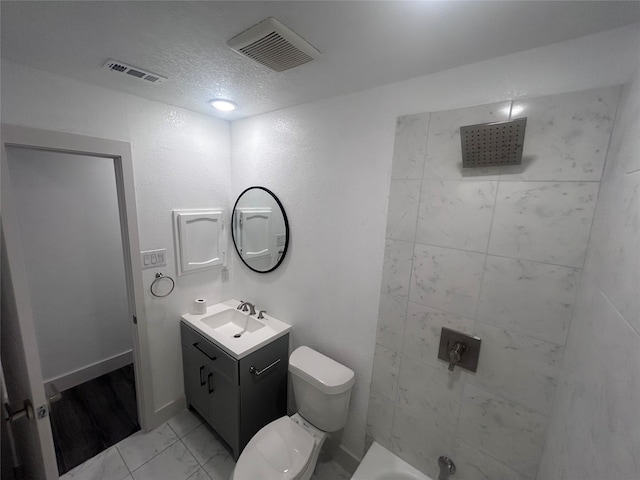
(168, 411)
(84, 374)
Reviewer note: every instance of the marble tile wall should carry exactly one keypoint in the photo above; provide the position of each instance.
(497, 252)
(593, 430)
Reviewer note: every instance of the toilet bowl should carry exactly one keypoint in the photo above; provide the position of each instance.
(288, 448)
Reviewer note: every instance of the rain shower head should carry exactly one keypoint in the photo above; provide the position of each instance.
(493, 144)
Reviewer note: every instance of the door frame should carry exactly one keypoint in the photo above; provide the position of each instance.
(120, 153)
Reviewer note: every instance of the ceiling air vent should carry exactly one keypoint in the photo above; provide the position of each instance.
(134, 72)
(274, 45)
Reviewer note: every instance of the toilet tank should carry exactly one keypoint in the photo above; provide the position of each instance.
(321, 388)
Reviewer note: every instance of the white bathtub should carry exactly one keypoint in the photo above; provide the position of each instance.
(380, 464)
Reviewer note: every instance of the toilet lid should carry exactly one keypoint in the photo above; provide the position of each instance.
(279, 451)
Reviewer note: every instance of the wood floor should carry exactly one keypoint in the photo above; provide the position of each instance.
(94, 416)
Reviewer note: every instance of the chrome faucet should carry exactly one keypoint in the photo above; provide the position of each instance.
(246, 306)
(447, 468)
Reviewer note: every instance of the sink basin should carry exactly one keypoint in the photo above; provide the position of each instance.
(234, 331)
(232, 322)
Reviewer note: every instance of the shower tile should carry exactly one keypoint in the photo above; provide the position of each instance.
(418, 442)
(185, 422)
(606, 372)
(568, 450)
(567, 136)
(614, 254)
(446, 279)
(391, 319)
(456, 214)
(507, 431)
(528, 297)
(444, 154)
(409, 149)
(396, 270)
(107, 465)
(203, 443)
(221, 466)
(517, 367)
(422, 331)
(403, 209)
(430, 392)
(142, 446)
(175, 463)
(473, 464)
(386, 367)
(380, 418)
(544, 222)
(590, 432)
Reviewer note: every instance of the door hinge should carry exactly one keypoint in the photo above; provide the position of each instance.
(26, 411)
(135, 320)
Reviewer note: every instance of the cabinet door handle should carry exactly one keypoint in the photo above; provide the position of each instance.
(211, 389)
(202, 376)
(205, 353)
(257, 372)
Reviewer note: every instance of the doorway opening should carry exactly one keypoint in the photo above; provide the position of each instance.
(71, 244)
(69, 228)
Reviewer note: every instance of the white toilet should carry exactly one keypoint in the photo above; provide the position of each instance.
(288, 448)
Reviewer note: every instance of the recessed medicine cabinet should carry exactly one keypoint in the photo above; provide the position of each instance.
(200, 240)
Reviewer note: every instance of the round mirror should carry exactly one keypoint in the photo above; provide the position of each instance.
(260, 229)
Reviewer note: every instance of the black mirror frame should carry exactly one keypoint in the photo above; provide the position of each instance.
(286, 227)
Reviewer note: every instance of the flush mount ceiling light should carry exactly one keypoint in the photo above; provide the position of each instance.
(223, 105)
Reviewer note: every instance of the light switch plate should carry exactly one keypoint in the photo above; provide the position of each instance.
(153, 258)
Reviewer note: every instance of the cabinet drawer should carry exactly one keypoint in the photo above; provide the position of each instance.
(219, 361)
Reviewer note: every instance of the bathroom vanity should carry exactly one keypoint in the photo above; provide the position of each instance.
(238, 384)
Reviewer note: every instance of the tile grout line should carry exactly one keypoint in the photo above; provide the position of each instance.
(610, 302)
(180, 439)
(494, 255)
(193, 455)
(582, 273)
(477, 305)
(518, 332)
(586, 253)
(413, 251)
(413, 256)
(155, 455)
(123, 462)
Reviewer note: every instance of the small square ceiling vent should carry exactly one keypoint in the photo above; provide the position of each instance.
(135, 72)
(274, 45)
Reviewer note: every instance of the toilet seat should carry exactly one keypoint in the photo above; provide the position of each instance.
(280, 450)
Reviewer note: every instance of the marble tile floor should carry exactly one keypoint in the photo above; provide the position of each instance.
(184, 448)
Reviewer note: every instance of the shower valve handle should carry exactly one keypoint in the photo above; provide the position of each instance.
(455, 354)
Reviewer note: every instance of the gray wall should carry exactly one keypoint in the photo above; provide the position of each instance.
(594, 432)
(496, 252)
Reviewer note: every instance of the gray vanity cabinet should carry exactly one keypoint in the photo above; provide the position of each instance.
(236, 397)
(195, 378)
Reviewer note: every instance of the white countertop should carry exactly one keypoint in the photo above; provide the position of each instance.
(249, 342)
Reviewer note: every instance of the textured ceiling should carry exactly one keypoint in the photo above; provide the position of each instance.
(364, 43)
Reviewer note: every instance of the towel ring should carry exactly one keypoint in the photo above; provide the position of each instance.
(159, 277)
